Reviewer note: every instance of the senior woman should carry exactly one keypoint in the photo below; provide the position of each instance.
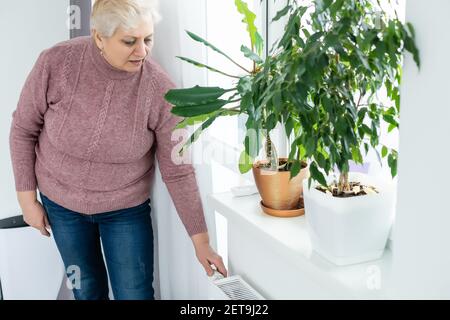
(89, 121)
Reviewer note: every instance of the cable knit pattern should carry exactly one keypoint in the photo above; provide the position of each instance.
(86, 134)
(66, 68)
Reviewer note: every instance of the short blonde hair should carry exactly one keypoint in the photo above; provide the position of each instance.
(108, 15)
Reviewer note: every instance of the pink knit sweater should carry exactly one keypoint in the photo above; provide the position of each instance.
(85, 134)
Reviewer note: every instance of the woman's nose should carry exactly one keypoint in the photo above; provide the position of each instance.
(141, 50)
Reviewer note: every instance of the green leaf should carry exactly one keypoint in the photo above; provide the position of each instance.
(201, 118)
(362, 113)
(366, 148)
(259, 44)
(369, 37)
(316, 174)
(322, 5)
(293, 152)
(328, 104)
(391, 127)
(252, 141)
(315, 37)
(331, 40)
(409, 41)
(201, 65)
(251, 55)
(249, 19)
(390, 119)
(310, 146)
(411, 29)
(363, 59)
(244, 86)
(194, 96)
(392, 162)
(192, 121)
(341, 126)
(335, 7)
(295, 169)
(196, 110)
(277, 101)
(397, 102)
(411, 47)
(246, 103)
(289, 125)
(280, 14)
(320, 159)
(356, 155)
(245, 162)
(384, 151)
(366, 129)
(306, 33)
(271, 122)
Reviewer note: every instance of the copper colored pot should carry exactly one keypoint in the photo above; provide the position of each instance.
(275, 188)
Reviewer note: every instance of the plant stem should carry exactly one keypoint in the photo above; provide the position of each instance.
(271, 153)
(343, 184)
(242, 68)
(359, 101)
(230, 75)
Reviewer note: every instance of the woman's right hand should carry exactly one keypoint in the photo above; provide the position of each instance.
(35, 216)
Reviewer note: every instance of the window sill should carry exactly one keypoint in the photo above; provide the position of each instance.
(257, 242)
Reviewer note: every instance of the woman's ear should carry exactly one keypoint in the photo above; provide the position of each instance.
(97, 38)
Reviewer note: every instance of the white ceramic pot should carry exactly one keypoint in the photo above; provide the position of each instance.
(350, 230)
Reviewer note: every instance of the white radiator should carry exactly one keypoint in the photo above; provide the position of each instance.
(231, 288)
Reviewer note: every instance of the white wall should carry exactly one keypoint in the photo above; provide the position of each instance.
(421, 249)
(26, 28)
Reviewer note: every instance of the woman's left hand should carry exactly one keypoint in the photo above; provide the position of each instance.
(207, 256)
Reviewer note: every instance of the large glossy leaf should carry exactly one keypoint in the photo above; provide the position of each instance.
(196, 110)
(194, 96)
(190, 121)
(245, 162)
(193, 120)
(250, 54)
(249, 19)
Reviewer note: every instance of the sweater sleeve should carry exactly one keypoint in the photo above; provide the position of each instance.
(179, 176)
(27, 123)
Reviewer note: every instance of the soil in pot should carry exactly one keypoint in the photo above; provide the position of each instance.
(356, 189)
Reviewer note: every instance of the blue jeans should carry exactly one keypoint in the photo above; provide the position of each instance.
(127, 239)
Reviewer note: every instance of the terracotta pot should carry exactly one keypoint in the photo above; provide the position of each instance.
(276, 190)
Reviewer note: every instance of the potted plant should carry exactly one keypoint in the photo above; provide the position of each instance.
(258, 94)
(347, 51)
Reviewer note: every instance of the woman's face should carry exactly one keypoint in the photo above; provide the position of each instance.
(127, 49)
